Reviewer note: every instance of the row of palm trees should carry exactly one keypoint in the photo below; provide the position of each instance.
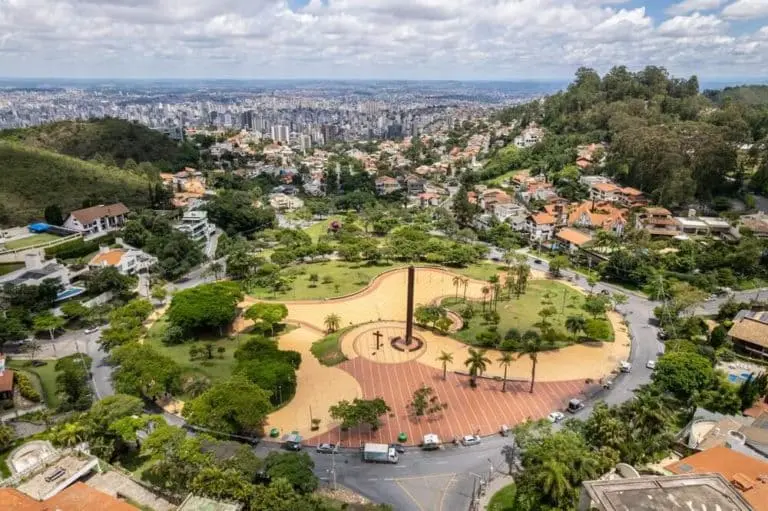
(477, 363)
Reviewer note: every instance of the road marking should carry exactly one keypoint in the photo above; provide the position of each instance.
(440, 463)
(411, 496)
(431, 476)
(445, 490)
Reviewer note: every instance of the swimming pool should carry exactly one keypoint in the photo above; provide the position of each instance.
(69, 293)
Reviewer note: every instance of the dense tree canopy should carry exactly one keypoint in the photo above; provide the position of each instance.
(206, 307)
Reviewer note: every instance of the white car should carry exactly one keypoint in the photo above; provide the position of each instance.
(327, 448)
(625, 367)
(89, 331)
(651, 364)
(555, 417)
(470, 440)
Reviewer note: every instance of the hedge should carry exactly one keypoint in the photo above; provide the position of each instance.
(78, 247)
(26, 389)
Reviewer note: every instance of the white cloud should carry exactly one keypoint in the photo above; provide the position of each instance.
(746, 9)
(688, 6)
(363, 38)
(689, 26)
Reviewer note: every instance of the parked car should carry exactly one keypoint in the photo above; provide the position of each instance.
(574, 405)
(93, 330)
(470, 440)
(556, 417)
(651, 364)
(537, 261)
(327, 448)
(625, 367)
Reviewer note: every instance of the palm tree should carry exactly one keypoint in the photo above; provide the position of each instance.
(465, 283)
(504, 361)
(446, 358)
(457, 280)
(70, 434)
(477, 364)
(532, 344)
(554, 482)
(575, 324)
(485, 292)
(332, 322)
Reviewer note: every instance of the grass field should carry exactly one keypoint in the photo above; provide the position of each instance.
(30, 240)
(320, 228)
(497, 181)
(503, 500)
(46, 375)
(522, 313)
(218, 368)
(345, 278)
(6, 268)
(327, 350)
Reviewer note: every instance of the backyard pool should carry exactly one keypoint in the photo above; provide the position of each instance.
(69, 293)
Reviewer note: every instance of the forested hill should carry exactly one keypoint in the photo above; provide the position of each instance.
(34, 178)
(663, 136)
(747, 94)
(108, 140)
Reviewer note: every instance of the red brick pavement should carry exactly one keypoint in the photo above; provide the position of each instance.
(483, 409)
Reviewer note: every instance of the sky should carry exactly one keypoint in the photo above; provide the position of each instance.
(380, 39)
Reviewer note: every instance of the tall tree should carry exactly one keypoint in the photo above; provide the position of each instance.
(445, 358)
(532, 345)
(477, 363)
(505, 360)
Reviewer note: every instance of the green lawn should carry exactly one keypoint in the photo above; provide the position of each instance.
(46, 375)
(503, 500)
(497, 181)
(522, 313)
(318, 229)
(345, 278)
(30, 240)
(327, 349)
(215, 369)
(10, 267)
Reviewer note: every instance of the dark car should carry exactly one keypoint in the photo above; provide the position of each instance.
(537, 261)
(399, 448)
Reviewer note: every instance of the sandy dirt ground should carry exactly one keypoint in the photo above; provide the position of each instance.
(385, 299)
(318, 387)
(581, 361)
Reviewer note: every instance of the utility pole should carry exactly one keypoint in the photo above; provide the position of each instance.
(333, 466)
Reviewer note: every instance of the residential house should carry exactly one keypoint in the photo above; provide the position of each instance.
(386, 185)
(415, 185)
(195, 225)
(97, 219)
(513, 213)
(657, 221)
(283, 202)
(127, 261)
(757, 224)
(36, 270)
(744, 434)
(428, 199)
(604, 192)
(592, 215)
(529, 137)
(6, 380)
(632, 198)
(703, 492)
(749, 334)
(571, 240)
(540, 226)
(314, 188)
(746, 474)
(586, 155)
(493, 196)
(78, 497)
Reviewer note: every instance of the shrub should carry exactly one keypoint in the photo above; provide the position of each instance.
(26, 389)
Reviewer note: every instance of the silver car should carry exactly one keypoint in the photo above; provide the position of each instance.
(470, 440)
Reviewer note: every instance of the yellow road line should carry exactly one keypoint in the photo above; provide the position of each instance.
(445, 490)
(411, 496)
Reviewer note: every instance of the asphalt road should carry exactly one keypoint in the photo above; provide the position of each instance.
(711, 307)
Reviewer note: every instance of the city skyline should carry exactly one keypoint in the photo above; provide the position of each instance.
(479, 40)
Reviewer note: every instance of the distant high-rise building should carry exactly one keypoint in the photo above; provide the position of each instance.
(280, 133)
(305, 142)
(246, 120)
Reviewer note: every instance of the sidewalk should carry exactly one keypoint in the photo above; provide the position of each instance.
(498, 482)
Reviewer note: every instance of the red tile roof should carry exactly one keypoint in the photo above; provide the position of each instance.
(88, 215)
(747, 474)
(6, 381)
(81, 497)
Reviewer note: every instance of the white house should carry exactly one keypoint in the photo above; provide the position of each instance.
(540, 227)
(127, 262)
(97, 219)
(195, 225)
(36, 270)
(283, 202)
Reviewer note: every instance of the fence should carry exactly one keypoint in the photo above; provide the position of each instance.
(17, 254)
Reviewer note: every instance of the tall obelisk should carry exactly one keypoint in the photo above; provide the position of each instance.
(409, 310)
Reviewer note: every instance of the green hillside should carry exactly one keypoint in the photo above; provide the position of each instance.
(107, 139)
(747, 94)
(33, 178)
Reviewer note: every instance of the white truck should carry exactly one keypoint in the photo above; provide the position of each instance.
(379, 453)
(430, 442)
